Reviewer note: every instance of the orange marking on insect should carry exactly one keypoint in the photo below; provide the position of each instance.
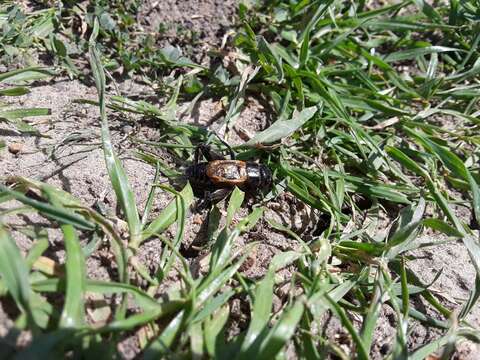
(227, 172)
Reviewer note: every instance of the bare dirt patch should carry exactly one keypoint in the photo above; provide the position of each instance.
(196, 26)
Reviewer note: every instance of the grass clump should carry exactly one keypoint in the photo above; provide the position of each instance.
(375, 117)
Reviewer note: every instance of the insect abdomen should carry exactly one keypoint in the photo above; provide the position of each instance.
(259, 176)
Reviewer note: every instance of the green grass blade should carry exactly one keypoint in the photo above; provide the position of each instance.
(160, 346)
(303, 56)
(118, 177)
(213, 305)
(23, 113)
(73, 314)
(15, 274)
(45, 346)
(236, 200)
(472, 299)
(268, 54)
(206, 290)
(445, 207)
(412, 53)
(26, 75)
(281, 333)
(406, 230)
(168, 258)
(53, 212)
(283, 128)
(151, 196)
(373, 313)
(362, 351)
(142, 299)
(442, 226)
(406, 161)
(262, 306)
(14, 91)
(38, 248)
(213, 331)
(456, 166)
(168, 215)
(236, 104)
(316, 17)
(222, 248)
(473, 245)
(430, 348)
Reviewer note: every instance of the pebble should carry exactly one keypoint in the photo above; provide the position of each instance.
(15, 148)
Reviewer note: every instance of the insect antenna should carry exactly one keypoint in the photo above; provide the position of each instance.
(229, 148)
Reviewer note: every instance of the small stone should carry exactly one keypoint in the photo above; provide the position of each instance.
(15, 148)
(197, 220)
(127, 129)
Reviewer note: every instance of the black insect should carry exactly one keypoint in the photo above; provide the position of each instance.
(214, 179)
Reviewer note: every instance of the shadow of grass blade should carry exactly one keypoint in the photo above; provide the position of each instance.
(116, 172)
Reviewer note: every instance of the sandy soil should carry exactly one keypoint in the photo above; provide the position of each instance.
(78, 167)
(196, 26)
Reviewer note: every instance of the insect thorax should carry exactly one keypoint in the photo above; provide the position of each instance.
(228, 171)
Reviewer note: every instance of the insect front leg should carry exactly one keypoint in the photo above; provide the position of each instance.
(213, 197)
(219, 195)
